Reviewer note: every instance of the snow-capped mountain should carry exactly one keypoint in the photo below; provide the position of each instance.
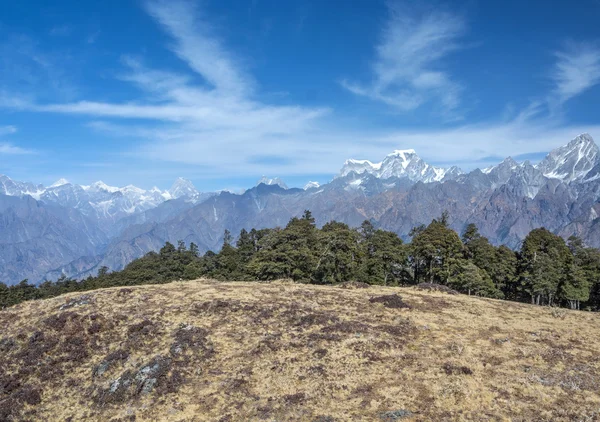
(274, 181)
(14, 188)
(311, 185)
(99, 200)
(401, 164)
(572, 161)
(183, 187)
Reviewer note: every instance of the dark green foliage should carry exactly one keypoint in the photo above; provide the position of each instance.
(471, 279)
(339, 256)
(545, 264)
(545, 271)
(384, 257)
(436, 251)
(583, 276)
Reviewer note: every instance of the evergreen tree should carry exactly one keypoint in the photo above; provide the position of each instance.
(545, 260)
(246, 246)
(584, 274)
(470, 279)
(504, 272)
(338, 258)
(4, 292)
(435, 252)
(168, 250)
(385, 259)
(288, 253)
(102, 271)
(227, 238)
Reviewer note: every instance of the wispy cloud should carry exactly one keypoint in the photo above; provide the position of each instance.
(219, 125)
(406, 72)
(7, 130)
(224, 126)
(26, 68)
(196, 44)
(9, 149)
(577, 69)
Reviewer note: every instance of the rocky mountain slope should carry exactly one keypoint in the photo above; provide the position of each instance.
(506, 201)
(208, 351)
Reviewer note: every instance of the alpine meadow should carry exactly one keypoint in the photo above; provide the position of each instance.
(320, 211)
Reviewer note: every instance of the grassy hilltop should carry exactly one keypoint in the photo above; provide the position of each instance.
(217, 351)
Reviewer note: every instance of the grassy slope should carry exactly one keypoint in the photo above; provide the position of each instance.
(247, 351)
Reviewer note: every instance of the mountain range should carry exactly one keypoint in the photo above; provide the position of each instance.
(74, 230)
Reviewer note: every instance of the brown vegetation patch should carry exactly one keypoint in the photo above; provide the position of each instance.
(353, 285)
(347, 327)
(431, 304)
(451, 369)
(57, 322)
(390, 301)
(306, 318)
(216, 306)
(295, 399)
(573, 378)
(434, 287)
(188, 337)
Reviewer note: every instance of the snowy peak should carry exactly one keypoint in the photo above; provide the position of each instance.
(358, 166)
(401, 164)
(11, 187)
(404, 155)
(183, 188)
(572, 161)
(275, 181)
(312, 185)
(59, 182)
(100, 186)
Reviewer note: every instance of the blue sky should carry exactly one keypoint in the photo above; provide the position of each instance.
(222, 92)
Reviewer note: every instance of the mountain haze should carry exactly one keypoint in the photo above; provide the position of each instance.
(78, 229)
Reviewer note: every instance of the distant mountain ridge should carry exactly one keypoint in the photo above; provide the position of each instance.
(112, 226)
(400, 164)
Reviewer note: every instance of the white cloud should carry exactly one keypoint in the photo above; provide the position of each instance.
(9, 149)
(232, 153)
(7, 130)
(405, 72)
(197, 46)
(219, 129)
(577, 69)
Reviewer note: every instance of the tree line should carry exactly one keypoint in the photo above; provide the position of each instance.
(545, 271)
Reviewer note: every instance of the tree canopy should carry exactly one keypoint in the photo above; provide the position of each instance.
(545, 271)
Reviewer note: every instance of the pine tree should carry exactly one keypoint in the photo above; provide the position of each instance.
(338, 256)
(435, 251)
(384, 258)
(4, 292)
(470, 279)
(544, 265)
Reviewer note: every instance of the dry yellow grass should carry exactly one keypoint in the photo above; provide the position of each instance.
(209, 351)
